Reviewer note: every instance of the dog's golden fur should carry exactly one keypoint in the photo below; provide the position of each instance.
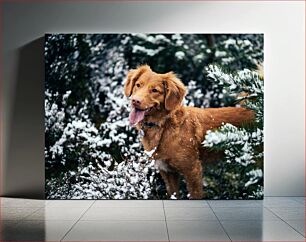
(178, 131)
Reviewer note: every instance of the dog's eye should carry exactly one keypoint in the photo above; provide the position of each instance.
(154, 90)
(137, 85)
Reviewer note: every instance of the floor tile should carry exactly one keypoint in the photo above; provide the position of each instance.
(261, 231)
(300, 200)
(39, 230)
(57, 213)
(235, 203)
(8, 223)
(21, 203)
(244, 214)
(7, 227)
(12, 213)
(118, 231)
(196, 231)
(288, 213)
(298, 225)
(185, 203)
(69, 203)
(124, 214)
(281, 202)
(189, 214)
(127, 203)
(140, 220)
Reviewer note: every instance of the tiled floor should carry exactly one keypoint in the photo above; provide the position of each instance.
(273, 219)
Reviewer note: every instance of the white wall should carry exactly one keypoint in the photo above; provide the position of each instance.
(282, 23)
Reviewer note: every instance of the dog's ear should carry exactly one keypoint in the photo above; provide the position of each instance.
(129, 83)
(175, 91)
(132, 77)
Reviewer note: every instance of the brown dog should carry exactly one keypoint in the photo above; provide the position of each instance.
(172, 131)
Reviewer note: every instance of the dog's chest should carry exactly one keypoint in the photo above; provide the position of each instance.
(162, 165)
(151, 138)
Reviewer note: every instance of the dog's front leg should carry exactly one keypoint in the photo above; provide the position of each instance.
(194, 180)
(171, 180)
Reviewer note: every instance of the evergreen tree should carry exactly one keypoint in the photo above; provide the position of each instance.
(240, 174)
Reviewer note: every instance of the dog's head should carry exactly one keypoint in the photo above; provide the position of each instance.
(152, 92)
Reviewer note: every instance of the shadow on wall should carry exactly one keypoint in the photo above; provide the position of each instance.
(24, 169)
(31, 230)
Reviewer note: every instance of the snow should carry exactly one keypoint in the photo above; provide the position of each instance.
(199, 57)
(255, 175)
(195, 96)
(220, 53)
(76, 54)
(178, 39)
(149, 52)
(154, 39)
(180, 55)
(151, 152)
(229, 42)
(173, 196)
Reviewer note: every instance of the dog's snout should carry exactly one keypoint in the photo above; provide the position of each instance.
(136, 101)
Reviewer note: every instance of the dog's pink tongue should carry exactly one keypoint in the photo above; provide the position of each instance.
(136, 116)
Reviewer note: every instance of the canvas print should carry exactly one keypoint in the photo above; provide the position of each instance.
(154, 116)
